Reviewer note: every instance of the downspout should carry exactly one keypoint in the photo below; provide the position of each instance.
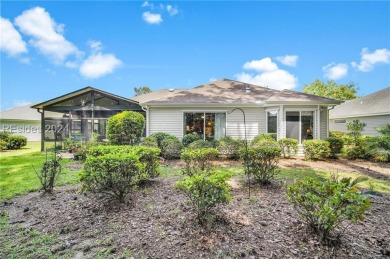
(42, 128)
(146, 109)
(331, 108)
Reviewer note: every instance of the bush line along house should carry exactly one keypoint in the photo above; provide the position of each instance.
(206, 110)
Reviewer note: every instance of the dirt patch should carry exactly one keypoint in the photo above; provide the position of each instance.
(376, 170)
(157, 223)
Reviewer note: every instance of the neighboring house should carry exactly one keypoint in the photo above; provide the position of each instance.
(207, 110)
(372, 109)
(23, 121)
(80, 114)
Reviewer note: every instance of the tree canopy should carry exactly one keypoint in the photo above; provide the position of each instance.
(332, 90)
(142, 90)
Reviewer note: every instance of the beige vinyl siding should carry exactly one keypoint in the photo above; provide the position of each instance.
(170, 120)
(255, 123)
(372, 122)
(324, 122)
(30, 129)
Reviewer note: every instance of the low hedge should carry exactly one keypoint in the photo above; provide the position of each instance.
(16, 142)
(315, 149)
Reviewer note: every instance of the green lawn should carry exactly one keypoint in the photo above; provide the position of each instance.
(18, 177)
(30, 148)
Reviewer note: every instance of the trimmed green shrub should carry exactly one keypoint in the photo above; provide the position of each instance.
(325, 205)
(171, 148)
(189, 138)
(205, 191)
(288, 146)
(198, 160)
(147, 156)
(315, 149)
(16, 142)
(229, 148)
(125, 128)
(364, 148)
(262, 162)
(150, 142)
(336, 134)
(200, 144)
(3, 145)
(335, 146)
(264, 137)
(4, 135)
(160, 136)
(112, 174)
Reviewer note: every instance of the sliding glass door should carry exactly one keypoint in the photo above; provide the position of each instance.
(209, 126)
(300, 125)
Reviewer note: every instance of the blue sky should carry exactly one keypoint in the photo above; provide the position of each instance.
(51, 48)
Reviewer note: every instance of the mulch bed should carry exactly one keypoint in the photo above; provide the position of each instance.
(157, 223)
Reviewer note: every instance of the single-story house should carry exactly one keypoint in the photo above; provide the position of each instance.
(209, 111)
(80, 114)
(23, 121)
(372, 109)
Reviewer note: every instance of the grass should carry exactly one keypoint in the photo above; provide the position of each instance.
(18, 177)
(31, 147)
(19, 242)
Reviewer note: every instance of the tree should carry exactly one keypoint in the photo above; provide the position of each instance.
(142, 90)
(355, 129)
(332, 90)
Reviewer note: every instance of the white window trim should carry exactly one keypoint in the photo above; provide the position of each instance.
(204, 113)
(277, 121)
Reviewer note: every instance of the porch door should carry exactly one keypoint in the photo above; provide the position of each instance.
(300, 125)
(292, 125)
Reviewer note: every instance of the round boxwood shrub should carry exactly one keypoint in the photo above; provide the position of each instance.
(229, 148)
(315, 149)
(189, 138)
(16, 142)
(335, 146)
(289, 147)
(200, 144)
(171, 148)
(160, 136)
(150, 142)
(125, 128)
(4, 135)
(3, 145)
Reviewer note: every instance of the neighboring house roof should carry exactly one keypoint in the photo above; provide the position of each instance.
(21, 113)
(377, 103)
(228, 91)
(77, 93)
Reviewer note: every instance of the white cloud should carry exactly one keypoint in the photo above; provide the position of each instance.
(95, 45)
(172, 10)
(18, 103)
(335, 71)
(288, 60)
(152, 18)
(11, 41)
(264, 64)
(147, 4)
(98, 65)
(269, 75)
(47, 35)
(369, 60)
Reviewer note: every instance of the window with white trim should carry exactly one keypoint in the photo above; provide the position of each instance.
(209, 126)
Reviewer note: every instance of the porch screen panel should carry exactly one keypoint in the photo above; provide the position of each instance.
(307, 125)
(292, 125)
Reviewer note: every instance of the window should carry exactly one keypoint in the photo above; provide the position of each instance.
(339, 121)
(209, 126)
(272, 122)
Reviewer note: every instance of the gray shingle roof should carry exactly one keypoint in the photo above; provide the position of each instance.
(21, 113)
(375, 103)
(227, 91)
